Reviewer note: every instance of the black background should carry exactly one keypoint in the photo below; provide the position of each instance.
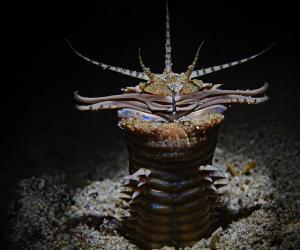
(44, 71)
(41, 72)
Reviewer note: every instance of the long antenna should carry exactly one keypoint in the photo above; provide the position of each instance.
(192, 66)
(168, 62)
(202, 72)
(128, 72)
(146, 70)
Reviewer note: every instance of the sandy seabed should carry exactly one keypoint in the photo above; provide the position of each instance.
(262, 204)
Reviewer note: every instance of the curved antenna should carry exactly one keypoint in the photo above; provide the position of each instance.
(168, 62)
(128, 72)
(192, 66)
(146, 70)
(209, 70)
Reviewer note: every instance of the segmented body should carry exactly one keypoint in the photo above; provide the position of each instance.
(170, 123)
(172, 200)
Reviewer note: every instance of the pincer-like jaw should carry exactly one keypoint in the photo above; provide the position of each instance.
(137, 101)
(110, 102)
(211, 97)
(186, 104)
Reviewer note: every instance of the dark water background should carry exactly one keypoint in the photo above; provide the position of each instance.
(42, 133)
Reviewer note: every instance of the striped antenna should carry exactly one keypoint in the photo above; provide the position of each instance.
(192, 66)
(209, 70)
(146, 70)
(168, 62)
(128, 72)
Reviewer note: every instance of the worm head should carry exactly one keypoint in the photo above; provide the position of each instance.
(169, 83)
(168, 92)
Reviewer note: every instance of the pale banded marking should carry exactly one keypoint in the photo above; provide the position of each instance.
(208, 168)
(168, 62)
(132, 113)
(128, 72)
(209, 70)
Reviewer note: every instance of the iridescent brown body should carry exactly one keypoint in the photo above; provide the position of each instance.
(175, 205)
(170, 123)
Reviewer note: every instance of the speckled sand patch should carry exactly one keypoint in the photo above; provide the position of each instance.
(45, 206)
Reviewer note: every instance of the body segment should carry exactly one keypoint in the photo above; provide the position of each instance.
(174, 203)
